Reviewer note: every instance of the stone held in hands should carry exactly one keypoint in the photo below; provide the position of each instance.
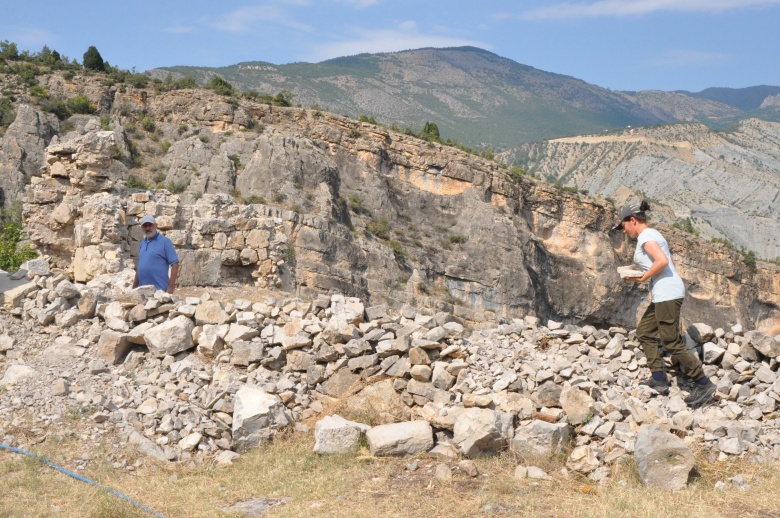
(628, 271)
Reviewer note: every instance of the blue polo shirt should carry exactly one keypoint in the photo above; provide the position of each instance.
(154, 258)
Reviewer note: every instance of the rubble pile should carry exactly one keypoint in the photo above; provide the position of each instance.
(190, 378)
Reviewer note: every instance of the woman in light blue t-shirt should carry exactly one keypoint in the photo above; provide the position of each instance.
(662, 317)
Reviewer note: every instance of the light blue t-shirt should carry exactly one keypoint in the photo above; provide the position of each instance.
(666, 285)
(154, 257)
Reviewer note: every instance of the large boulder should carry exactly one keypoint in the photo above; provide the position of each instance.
(17, 373)
(334, 434)
(577, 404)
(171, 337)
(257, 415)
(382, 400)
(764, 343)
(542, 438)
(480, 431)
(663, 459)
(409, 438)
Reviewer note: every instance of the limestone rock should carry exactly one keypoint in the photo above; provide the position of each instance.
(482, 431)
(542, 438)
(257, 415)
(701, 333)
(170, 337)
(17, 373)
(409, 438)
(663, 460)
(334, 434)
(577, 404)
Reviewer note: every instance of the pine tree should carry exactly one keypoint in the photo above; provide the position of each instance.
(93, 60)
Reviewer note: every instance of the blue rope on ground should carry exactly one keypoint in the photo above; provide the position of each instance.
(79, 477)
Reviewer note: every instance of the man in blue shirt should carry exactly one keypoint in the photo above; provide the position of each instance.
(154, 257)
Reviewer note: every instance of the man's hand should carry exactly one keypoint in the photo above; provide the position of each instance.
(174, 276)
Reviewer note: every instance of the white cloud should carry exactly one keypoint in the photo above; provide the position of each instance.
(679, 58)
(246, 18)
(603, 8)
(404, 36)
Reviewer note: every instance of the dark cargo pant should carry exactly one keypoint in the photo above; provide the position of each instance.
(663, 319)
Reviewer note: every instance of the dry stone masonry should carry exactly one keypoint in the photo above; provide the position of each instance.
(185, 379)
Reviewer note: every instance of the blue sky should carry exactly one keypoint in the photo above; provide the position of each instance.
(617, 44)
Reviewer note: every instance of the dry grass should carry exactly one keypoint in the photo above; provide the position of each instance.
(362, 486)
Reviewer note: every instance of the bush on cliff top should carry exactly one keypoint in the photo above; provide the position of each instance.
(11, 254)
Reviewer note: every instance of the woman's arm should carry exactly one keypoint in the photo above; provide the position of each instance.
(653, 249)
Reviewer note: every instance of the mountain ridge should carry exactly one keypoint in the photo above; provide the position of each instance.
(478, 97)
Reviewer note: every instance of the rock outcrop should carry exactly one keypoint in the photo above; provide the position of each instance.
(422, 223)
(320, 203)
(722, 184)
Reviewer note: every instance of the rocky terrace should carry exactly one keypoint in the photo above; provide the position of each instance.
(185, 379)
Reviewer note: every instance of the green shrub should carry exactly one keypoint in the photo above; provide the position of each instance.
(7, 112)
(130, 128)
(148, 124)
(165, 145)
(488, 154)
(186, 82)
(11, 254)
(220, 86)
(236, 160)
(68, 75)
(9, 50)
(38, 91)
(177, 187)
(355, 204)
(253, 199)
(749, 257)
(457, 239)
(379, 227)
(289, 253)
(430, 131)
(364, 118)
(397, 249)
(138, 80)
(27, 73)
(80, 104)
(182, 129)
(134, 182)
(57, 107)
(516, 172)
(728, 244)
(283, 98)
(686, 225)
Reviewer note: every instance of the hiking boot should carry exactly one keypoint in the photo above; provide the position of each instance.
(701, 395)
(660, 386)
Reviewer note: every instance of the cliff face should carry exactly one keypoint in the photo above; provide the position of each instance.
(726, 183)
(313, 202)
